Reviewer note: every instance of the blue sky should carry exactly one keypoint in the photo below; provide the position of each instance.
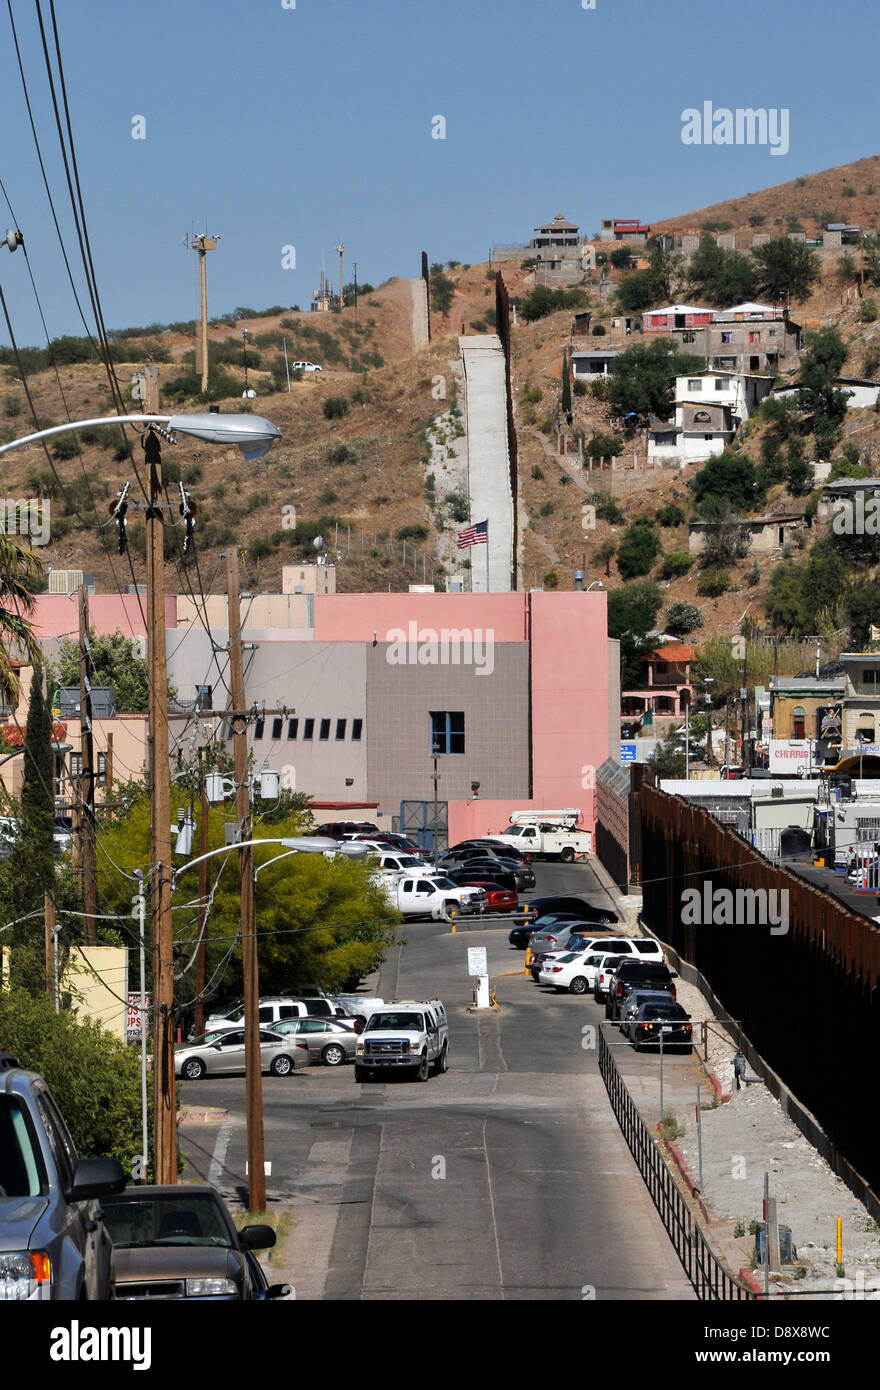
(302, 126)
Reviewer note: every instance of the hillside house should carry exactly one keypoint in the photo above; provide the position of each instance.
(686, 324)
(709, 409)
(587, 364)
(762, 535)
(753, 338)
(627, 229)
(848, 490)
(667, 689)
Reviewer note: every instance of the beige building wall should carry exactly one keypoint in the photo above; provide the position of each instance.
(96, 978)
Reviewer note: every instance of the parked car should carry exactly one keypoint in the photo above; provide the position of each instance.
(605, 975)
(638, 948)
(557, 937)
(331, 1043)
(584, 910)
(522, 934)
(485, 873)
(392, 844)
(356, 1008)
(53, 1240)
(489, 847)
(223, 1052)
(634, 1001)
(522, 874)
(498, 898)
(345, 829)
(668, 1020)
(270, 1010)
(181, 1242)
(306, 367)
(573, 970)
(630, 974)
(404, 864)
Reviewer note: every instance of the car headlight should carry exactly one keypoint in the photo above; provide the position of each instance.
(210, 1288)
(24, 1274)
(359, 1049)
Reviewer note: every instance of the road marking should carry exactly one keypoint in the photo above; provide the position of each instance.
(492, 1210)
(218, 1158)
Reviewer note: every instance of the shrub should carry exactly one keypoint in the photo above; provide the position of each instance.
(676, 563)
(580, 388)
(602, 446)
(551, 580)
(11, 407)
(335, 407)
(713, 582)
(459, 506)
(412, 533)
(682, 618)
(607, 508)
(638, 550)
(868, 311)
(94, 1078)
(537, 472)
(532, 395)
(341, 453)
(670, 515)
(598, 330)
(192, 475)
(547, 509)
(65, 447)
(257, 500)
(259, 548)
(327, 496)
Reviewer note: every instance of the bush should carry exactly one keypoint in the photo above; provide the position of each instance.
(335, 407)
(676, 563)
(638, 550)
(670, 515)
(341, 453)
(551, 580)
(65, 447)
(607, 508)
(11, 407)
(598, 330)
(537, 472)
(713, 583)
(412, 533)
(94, 1078)
(682, 618)
(868, 311)
(602, 446)
(580, 388)
(459, 506)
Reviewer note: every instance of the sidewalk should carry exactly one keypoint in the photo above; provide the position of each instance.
(745, 1134)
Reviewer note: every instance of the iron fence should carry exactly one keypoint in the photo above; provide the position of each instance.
(711, 1281)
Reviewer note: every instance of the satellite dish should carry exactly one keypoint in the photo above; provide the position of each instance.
(318, 542)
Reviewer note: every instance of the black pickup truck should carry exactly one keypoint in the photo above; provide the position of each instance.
(637, 974)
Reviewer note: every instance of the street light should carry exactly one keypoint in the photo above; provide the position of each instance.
(253, 436)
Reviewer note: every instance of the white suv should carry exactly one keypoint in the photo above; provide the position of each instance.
(306, 367)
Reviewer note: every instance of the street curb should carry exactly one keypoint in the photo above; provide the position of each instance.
(688, 1180)
(748, 1278)
(210, 1116)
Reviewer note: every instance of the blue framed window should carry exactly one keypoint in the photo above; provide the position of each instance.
(447, 731)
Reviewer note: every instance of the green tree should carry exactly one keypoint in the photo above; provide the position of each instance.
(801, 592)
(668, 758)
(115, 661)
(20, 572)
(863, 608)
(566, 387)
(36, 843)
(721, 277)
(638, 549)
(603, 446)
(682, 618)
(727, 476)
(819, 396)
(632, 610)
(640, 379)
(604, 554)
(441, 289)
(621, 257)
(785, 268)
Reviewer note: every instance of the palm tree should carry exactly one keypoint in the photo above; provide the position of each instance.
(20, 571)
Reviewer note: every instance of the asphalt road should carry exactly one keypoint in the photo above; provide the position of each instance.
(506, 1178)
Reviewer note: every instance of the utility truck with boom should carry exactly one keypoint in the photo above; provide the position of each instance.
(547, 834)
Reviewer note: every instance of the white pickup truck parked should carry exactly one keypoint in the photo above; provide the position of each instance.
(410, 1036)
(436, 897)
(547, 834)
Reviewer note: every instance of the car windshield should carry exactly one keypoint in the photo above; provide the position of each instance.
(19, 1162)
(570, 955)
(409, 862)
(649, 1011)
(386, 1021)
(207, 1038)
(165, 1220)
(445, 883)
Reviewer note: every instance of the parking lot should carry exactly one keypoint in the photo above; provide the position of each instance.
(505, 1178)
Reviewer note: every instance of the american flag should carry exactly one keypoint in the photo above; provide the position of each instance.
(474, 535)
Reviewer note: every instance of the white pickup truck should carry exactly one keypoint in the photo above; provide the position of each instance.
(433, 896)
(547, 834)
(410, 1036)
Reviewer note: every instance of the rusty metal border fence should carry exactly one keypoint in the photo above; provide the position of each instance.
(710, 1279)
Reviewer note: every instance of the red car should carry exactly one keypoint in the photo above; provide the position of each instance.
(497, 899)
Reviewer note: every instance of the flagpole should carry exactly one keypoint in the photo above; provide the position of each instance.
(487, 555)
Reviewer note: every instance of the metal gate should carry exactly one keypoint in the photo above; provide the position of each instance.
(426, 822)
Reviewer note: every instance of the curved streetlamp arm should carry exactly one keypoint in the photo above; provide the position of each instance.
(87, 425)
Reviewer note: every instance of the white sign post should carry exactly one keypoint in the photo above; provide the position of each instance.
(478, 966)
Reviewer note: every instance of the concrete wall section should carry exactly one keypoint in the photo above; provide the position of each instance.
(489, 472)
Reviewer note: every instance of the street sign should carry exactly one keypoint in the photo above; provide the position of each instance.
(478, 960)
(133, 1014)
(627, 752)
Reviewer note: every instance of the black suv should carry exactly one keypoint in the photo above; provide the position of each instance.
(53, 1243)
(639, 974)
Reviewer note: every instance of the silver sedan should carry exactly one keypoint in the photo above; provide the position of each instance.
(327, 1040)
(223, 1051)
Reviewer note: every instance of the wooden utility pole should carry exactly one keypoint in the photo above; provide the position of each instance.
(165, 1112)
(340, 248)
(203, 244)
(203, 906)
(87, 776)
(249, 961)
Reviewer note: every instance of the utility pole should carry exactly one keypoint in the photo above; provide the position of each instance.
(249, 961)
(87, 777)
(340, 248)
(355, 269)
(165, 1105)
(203, 906)
(203, 244)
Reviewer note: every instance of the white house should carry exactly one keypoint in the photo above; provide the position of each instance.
(709, 409)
